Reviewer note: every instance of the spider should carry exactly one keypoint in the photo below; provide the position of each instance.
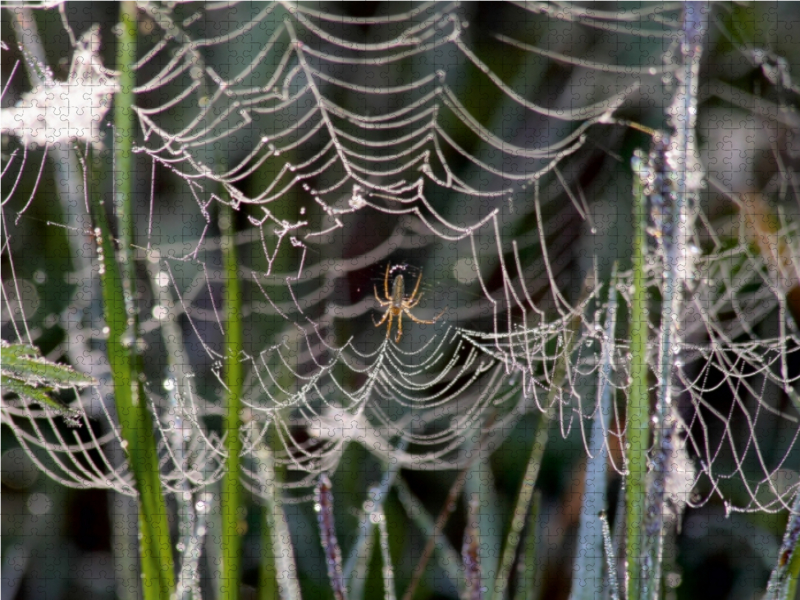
(399, 304)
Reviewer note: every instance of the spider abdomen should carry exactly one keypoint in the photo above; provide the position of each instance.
(398, 291)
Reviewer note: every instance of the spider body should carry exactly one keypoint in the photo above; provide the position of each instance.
(397, 304)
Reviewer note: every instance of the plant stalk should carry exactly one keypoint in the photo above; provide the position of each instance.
(234, 382)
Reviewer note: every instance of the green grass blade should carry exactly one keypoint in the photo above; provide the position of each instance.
(234, 382)
(117, 275)
(638, 408)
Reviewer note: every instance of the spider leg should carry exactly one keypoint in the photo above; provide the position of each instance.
(431, 322)
(416, 320)
(382, 302)
(386, 283)
(411, 303)
(416, 287)
(399, 326)
(389, 326)
(383, 320)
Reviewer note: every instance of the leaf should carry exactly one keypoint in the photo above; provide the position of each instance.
(25, 372)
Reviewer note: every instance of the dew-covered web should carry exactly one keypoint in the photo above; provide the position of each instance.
(413, 144)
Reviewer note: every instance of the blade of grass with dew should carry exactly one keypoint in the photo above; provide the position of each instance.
(191, 523)
(528, 577)
(387, 570)
(117, 278)
(611, 559)
(637, 426)
(587, 580)
(189, 578)
(357, 580)
(481, 485)
(214, 551)
(470, 551)
(355, 568)
(782, 583)
(685, 173)
(323, 505)
(276, 531)
(540, 439)
(234, 383)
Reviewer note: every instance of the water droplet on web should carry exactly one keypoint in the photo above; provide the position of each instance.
(203, 506)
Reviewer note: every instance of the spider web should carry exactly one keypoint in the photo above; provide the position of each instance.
(353, 145)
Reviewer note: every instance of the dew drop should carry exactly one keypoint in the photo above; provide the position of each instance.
(203, 505)
(162, 279)
(39, 503)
